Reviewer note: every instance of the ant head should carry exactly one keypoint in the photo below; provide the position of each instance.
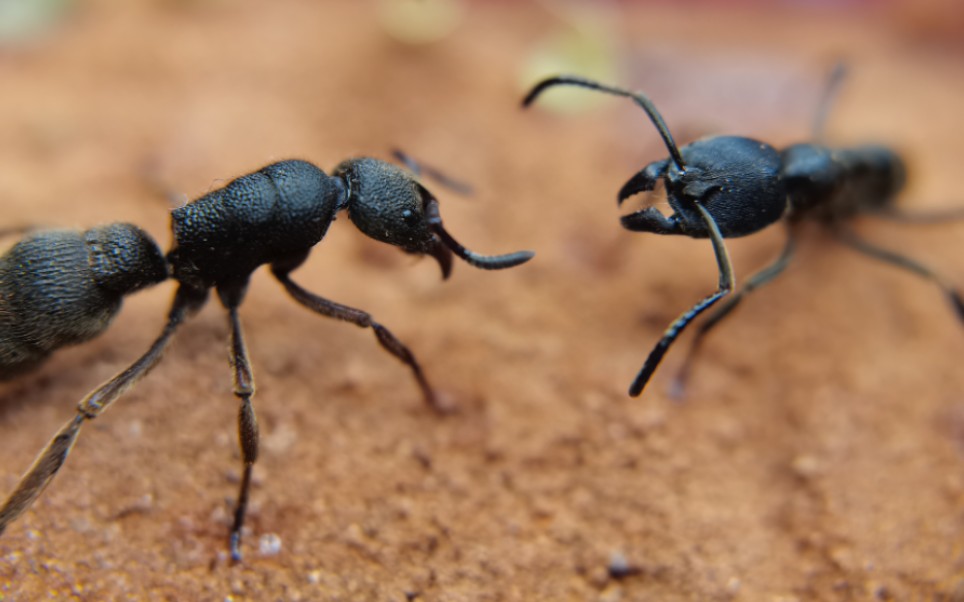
(388, 204)
(737, 180)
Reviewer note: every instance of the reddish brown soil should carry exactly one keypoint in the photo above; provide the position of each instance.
(818, 456)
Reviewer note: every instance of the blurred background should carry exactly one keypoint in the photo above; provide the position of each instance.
(818, 454)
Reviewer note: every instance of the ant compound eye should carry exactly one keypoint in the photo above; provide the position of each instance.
(410, 217)
(387, 204)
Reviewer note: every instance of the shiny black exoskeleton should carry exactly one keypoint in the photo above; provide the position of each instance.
(729, 186)
(60, 287)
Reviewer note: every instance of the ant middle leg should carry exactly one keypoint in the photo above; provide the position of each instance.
(762, 277)
(186, 302)
(363, 319)
(231, 297)
(887, 256)
(724, 287)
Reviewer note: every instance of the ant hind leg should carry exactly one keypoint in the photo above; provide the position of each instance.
(52, 458)
(887, 256)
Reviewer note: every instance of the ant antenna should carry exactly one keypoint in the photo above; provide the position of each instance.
(418, 169)
(485, 262)
(830, 92)
(641, 99)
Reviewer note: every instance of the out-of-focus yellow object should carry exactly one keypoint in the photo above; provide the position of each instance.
(583, 44)
(420, 21)
(21, 20)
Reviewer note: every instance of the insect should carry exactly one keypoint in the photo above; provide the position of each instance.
(728, 186)
(55, 283)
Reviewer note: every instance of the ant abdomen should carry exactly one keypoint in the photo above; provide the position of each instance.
(63, 287)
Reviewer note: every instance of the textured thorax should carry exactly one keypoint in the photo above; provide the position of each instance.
(281, 210)
(830, 185)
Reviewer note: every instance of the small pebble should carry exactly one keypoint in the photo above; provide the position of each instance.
(269, 544)
(619, 567)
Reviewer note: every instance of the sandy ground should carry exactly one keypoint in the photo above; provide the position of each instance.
(819, 454)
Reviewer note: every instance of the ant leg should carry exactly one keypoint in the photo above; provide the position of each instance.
(755, 281)
(851, 240)
(935, 216)
(363, 319)
(725, 286)
(247, 421)
(830, 90)
(45, 467)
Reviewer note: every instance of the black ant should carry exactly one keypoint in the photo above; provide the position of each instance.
(62, 287)
(728, 186)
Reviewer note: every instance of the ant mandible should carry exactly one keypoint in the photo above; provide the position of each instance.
(728, 186)
(63, 287)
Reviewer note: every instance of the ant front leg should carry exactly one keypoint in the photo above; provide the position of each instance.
(363, 319)
(755, 281)
(244, 388)
(726, 284)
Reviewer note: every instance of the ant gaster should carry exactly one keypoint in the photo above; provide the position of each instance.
(729, 186)
(60, 287)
